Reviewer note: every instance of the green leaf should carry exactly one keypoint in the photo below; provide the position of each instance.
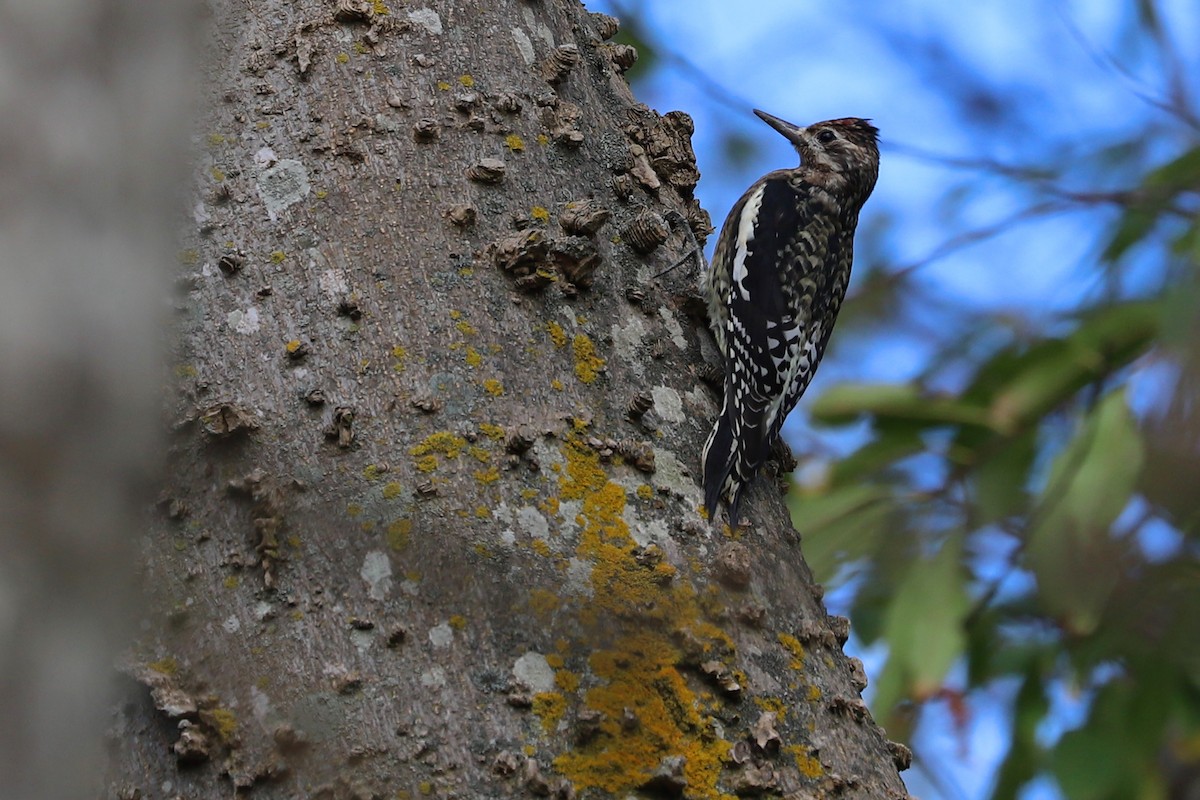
(891, 444)
(1071, 549)
(1024, 755)
(840, 526)
(1001, 478)
(847, 402)
(1051, 373)
(1091, 765)
(924, 625)
(1177, 175)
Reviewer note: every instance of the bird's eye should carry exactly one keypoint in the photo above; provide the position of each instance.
(826, 136)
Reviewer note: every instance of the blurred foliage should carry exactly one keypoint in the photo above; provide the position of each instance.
(1040, 456)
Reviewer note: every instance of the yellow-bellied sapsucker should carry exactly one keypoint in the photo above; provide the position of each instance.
(774, 288)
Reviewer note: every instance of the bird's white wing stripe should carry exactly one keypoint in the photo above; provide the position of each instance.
(745, 233)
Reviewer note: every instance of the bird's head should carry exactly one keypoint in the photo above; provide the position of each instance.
(847, 148)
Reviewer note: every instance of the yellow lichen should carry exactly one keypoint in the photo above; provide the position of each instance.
(557, 334)
(224, 722)
(493, 387)
(371, 472)
(793, 646)
(543, 139)
(231, 582)
(587, 363)
(189, 257)
(361, 49)
(278, 257)
(353, 509)
(398, 532)
(443, 86)
(215, 139)
(773, 704)
(556, 385)
(645, 491)
(458, 622)
(164, 666)
(379, 8)
(540, 213)
(480, 454)
(514, 143)
(466, 80)
(427, 463)
(473, 358)
(541, 547)
(465, 328)
(566, 680)
(444, 442)
(486, 476)
(218, 174)
(640, 671)
(391, 491)
(483, 512)
(493, 432)
(543, 603)
(550, 707)
(321, 194)
(292, 346)
(555, 660)
(343, 58)
(809, 765)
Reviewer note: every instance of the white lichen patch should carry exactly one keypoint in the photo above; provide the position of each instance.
(441, 635)
(232, 624)
(533, 670)
(669, 474)
(333, 283)
(524, 46)
(668, 404)
(539, 28)
(627, 340)
(579, 577)
(260, 704)
(282, 185)
(428, 19)
(434, 678)
(243, 321)
(377, 572)
(569, 511)
(533, 522)
(674, 329)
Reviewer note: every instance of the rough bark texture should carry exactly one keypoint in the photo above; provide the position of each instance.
(431, 525)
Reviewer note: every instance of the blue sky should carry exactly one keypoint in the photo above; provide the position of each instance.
(1018, 82)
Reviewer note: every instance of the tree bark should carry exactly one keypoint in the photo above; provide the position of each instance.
(431, 525)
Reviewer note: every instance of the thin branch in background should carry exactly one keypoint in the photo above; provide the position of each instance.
(975, 236)
(715, 90)
(1178, 107)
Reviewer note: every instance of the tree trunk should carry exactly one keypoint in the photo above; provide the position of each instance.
(432, 524)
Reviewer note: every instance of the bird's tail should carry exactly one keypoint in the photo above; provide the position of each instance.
(732, 456)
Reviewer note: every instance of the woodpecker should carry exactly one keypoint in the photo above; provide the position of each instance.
(776, 282)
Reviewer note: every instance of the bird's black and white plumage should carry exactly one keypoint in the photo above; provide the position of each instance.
(776, 282)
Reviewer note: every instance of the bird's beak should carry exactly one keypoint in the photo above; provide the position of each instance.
(789, 131)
